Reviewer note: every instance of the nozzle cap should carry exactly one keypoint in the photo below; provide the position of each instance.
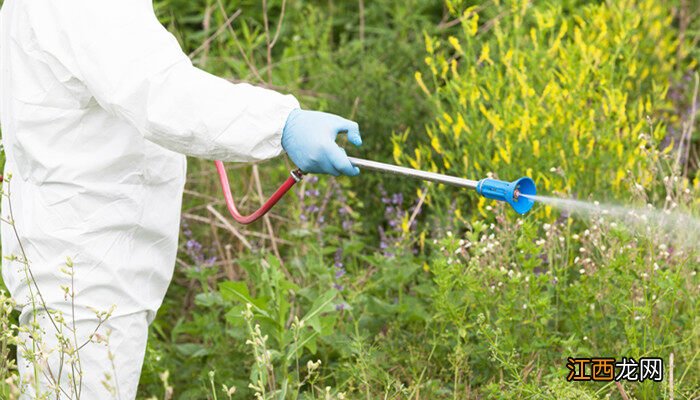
(525, 186)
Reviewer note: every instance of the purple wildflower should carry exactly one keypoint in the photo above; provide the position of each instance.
(391, 234)
(339, 268)
(310, 202)
(195, 250)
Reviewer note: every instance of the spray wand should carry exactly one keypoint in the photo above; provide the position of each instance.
(515, 193)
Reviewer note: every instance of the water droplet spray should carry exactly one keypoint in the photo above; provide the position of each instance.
(646, 220)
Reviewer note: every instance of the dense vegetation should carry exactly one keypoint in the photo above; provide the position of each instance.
(383, 288)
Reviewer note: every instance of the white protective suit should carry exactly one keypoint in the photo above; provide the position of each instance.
(98, 106)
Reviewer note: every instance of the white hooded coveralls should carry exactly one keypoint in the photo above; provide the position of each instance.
(98, 106)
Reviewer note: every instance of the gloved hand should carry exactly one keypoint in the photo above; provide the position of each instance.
(309, 139)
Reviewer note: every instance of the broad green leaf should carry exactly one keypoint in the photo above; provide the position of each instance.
(238, 291)
(322, 304)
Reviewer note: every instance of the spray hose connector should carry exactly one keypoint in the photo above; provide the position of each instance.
(510, 192)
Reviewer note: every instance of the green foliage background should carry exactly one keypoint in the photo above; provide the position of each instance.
(409, 290)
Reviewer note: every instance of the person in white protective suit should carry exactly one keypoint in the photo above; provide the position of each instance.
(99, 106)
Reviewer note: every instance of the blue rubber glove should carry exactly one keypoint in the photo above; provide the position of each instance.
(309, 140)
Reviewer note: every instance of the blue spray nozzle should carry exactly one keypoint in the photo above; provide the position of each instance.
(510, 192)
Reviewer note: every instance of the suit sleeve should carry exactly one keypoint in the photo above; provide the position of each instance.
(135, 69)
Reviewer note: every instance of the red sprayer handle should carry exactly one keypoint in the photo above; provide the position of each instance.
(295, 177)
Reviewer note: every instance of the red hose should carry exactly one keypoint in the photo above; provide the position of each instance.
(248, 219)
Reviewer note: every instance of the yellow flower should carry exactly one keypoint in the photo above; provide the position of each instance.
(533, 37)
(557, 42)
(481, 206)
(453, 68)
(429, 45)
(485, 55)
(397, 152)
(505, 152)
(589, 148)
(493, 118)
(404, 224)
(431, 63)
(435, 143)
(471, 21)
(455, 44)
(419, 79)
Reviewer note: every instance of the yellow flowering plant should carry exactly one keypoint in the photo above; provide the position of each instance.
(558, 92)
